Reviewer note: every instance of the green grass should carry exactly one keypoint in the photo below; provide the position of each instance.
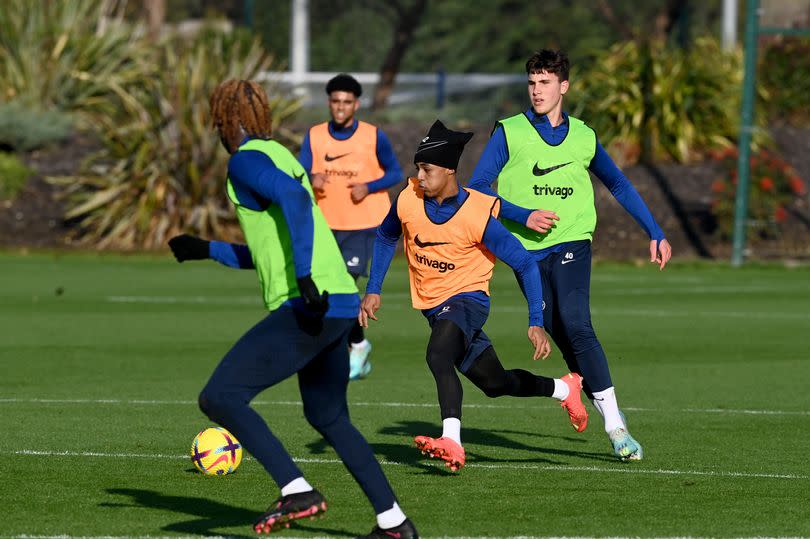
(102, 357)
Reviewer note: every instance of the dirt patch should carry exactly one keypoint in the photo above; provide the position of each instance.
(678, 195)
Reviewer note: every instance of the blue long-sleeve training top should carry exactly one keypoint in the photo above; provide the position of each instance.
(258, 183)
(392, 172)
(496, 238)
(496, 154)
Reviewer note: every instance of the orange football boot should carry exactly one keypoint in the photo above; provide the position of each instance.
(442, 448)
(577, 413)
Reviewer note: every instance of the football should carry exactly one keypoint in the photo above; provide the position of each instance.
(215, 451)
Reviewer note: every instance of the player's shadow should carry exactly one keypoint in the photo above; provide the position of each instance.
(500, 439)
(207, 515)
(402, 454)
(407, 454)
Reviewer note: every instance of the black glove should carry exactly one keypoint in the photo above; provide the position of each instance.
(185, 247)
(315, 302)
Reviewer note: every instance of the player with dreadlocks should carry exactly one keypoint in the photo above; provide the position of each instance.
(313, 303)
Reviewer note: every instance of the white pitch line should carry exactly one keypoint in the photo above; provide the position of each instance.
(391, 405)
(543, 468)
(157, 402)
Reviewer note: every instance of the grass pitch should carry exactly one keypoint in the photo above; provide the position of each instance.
(102, 358)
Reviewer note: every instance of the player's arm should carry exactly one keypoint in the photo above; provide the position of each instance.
(392, 173)
(187, 247)
(620, 187)
(257, 173)
(385, 245)
(490, 164)
(508, 249)
(305, 158)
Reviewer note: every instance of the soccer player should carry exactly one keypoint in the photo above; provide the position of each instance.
(452, 237)
(313, 305)
(541, 158)
(351, 165)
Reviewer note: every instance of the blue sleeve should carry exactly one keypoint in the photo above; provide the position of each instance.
(492, 161)
(620, 187)
(257, 172)
(233, 255)
(305, 155)
(385, 245)
(506, 247)
(388, 161)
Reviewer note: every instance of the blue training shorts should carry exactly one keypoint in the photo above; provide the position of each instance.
(356, 246)
(469, 315)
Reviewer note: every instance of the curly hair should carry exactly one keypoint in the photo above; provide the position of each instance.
(240, 107)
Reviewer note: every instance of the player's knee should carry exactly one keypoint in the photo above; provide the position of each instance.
(493, 391)
(204, 402)
(323, 422)
(438, 361)
(214, 405)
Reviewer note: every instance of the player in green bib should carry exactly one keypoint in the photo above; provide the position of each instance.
(542, 159)
(313, 305)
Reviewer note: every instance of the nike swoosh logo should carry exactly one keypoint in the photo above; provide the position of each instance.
(428, 243)
(332, 158)
(567, 261)
(300, 178)
(537, 171)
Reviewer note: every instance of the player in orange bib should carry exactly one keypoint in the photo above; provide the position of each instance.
(452, 237)
(351, 165)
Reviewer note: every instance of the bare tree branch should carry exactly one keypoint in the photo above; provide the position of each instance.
(403, 34)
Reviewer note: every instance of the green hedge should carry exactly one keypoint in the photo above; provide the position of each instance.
(23, 129)
(680, 103)
(13, 175)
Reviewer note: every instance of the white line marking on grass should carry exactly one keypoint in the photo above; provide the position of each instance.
(150, 402)
(619, 468)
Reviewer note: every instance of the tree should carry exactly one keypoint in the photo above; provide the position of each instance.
(407, 20)
(155, 14)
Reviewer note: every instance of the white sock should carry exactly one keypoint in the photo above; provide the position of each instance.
(605, 402)
(391, 518)
(451, 428)
(362, 344)
(561, 390)
(296, 486)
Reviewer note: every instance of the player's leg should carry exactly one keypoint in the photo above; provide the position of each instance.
(565, 388)
(356, 247)
(323, 383)
(247, 369)
(456, 337)
(446, 348)
(570, 278)
(489, 375)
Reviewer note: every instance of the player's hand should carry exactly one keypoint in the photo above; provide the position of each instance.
(538, 338)
(187, 247)
(369, 306)
(359, 191)
(660, 252)
(318, 180)
(315, 302)
(541, 220)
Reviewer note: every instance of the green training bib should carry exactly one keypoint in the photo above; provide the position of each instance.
(539, 175)
(268, 238)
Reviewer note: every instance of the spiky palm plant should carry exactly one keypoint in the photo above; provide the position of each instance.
(162, 168)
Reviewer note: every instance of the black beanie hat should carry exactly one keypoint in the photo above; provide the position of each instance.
(441, 146)
(344, 83)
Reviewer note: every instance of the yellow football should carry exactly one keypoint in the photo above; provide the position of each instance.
(215, 451)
